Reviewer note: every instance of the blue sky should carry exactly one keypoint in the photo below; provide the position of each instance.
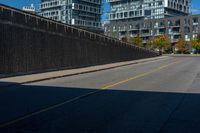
(20, 3)
(196, 6)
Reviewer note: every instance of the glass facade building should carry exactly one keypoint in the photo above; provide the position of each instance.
(150, 18)
(81, 13)
(133, 10)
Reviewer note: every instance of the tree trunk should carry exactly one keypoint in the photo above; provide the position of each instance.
(160, 51)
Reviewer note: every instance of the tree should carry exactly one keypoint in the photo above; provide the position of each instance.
(114, 34)
(196, 43)
(124, 39)
(161, 43)
(137, 41)
(182, 46)
(150, 44)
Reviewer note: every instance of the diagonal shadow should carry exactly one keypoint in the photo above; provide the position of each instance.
(107, 111)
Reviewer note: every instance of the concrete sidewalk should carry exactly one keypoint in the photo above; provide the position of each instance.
(182, 55)
(70, 72)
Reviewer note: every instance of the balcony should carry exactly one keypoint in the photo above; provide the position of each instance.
(159, 26)
(193, 32)
(176, 33)
(145, 35)
(145, 28)
(120, 16)
(98, 2)
(196, 23)
(175, 26)
(134, 29)
(112, 1)
(174, 40)
(85, 23)
(85, 8)
(122, 29)
(87, 16)
(52, 4)
(159, 33)
(52, 13)
(133, 35)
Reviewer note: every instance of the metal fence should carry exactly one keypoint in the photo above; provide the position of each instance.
(30, 43)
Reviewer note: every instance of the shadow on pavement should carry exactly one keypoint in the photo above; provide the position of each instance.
(108, 111)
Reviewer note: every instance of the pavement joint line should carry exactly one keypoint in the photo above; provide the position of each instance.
(82, 96)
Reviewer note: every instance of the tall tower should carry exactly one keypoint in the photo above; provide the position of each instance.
(133, 10)
(81, 13)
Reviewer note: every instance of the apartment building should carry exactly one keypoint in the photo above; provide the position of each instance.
(150, 18)
(81, 13)
(174, 27)
(134, 10)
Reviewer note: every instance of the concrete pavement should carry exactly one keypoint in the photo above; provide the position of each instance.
(153, 97)
(21, 79)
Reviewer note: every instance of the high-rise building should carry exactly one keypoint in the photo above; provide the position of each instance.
(133, 10)
(81, 13)
(148, 19)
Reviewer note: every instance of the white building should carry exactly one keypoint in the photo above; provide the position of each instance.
(133, 10)
(81, 13)
(29, 8)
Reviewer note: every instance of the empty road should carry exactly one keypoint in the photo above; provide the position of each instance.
(160, 96)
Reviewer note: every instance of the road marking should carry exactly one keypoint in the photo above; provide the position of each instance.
(139, 64)
(139, 76)
(84, 95)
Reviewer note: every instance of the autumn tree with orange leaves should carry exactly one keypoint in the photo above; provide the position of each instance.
(196, 43)
(182, 46)
(161, 43)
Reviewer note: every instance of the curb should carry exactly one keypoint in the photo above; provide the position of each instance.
(182, 55)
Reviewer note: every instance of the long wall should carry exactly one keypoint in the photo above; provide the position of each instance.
(30, 43)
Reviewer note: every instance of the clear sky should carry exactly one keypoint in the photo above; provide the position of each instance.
(20, 3)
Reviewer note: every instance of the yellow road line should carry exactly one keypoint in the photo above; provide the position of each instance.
(84, 95)
(144, 63)
(47, 109)
(139, 76)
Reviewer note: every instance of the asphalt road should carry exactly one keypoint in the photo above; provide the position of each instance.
(153, 97)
